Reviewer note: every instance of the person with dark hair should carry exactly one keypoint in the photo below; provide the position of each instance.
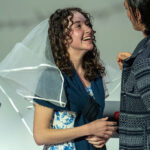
(134, 124)
(78, 125)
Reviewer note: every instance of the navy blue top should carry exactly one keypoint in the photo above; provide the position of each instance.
(79, 101)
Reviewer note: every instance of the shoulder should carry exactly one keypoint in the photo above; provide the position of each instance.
(142, 61)
(141, 73)
(146, 51)
(141, 65)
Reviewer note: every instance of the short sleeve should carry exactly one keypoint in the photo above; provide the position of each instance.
(48, 104)
(45, 103)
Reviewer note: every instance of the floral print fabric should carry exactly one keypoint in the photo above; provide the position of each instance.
(63, 120)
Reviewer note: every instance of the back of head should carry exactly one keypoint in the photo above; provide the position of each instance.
(144, 7)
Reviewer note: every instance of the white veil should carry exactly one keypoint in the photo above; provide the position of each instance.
(29, 72)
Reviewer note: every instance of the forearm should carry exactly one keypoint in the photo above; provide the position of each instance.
(43, 134)
(56, 136)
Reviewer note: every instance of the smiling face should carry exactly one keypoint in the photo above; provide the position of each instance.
(81, 33)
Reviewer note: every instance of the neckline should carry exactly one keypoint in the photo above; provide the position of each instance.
(83, 81)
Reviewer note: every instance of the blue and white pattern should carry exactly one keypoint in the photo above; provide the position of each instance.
(89, 90)
(63, 120)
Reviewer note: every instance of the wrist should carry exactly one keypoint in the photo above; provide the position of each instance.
(87, 129)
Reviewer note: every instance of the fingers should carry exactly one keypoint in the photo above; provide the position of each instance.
(106, 118)
(99, 146)
(111, 123)
(120, 65)
(108, 123)
(120, 62)
(96, 141)
(108, 132)
(113, 129)
(93, 138)
(100, 127)
(121, 56)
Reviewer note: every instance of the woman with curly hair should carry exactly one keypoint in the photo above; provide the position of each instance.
(78, 125)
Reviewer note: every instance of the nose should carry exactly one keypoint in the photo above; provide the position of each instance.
(88, 29)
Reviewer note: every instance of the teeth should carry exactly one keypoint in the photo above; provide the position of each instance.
(87, 38)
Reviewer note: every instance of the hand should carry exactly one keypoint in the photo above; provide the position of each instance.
(97, 142)
(122, 56)
(102, 128)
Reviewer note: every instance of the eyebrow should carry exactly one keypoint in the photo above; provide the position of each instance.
(76, 22)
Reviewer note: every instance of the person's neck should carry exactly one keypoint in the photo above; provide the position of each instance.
(76, 59)
(144, 35)
(77, 63)
(143, 29)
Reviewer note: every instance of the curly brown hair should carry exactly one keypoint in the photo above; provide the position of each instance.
(59, 31)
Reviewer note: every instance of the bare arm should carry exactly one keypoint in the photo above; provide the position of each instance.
(43, 134)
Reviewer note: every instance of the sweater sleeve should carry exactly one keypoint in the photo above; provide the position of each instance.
(142, 76)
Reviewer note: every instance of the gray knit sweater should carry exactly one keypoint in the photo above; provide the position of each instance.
(134, 124)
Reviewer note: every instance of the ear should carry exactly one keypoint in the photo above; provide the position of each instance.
(139, 17)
